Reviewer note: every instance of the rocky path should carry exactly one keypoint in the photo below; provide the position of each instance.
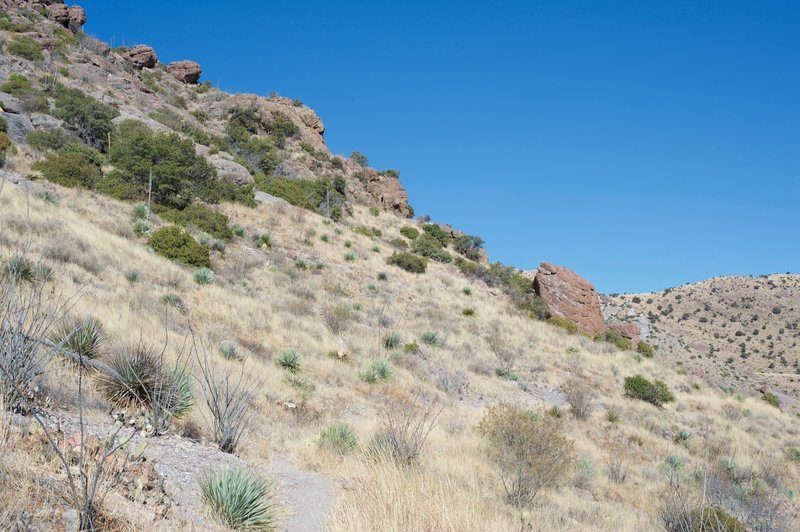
(307, 496)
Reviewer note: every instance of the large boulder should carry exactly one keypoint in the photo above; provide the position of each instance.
(77, 18)
(185, 71)
(569, 295)
(141, 56)
(59, 13)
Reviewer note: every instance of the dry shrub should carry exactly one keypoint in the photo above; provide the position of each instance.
(406, 424)
(580, 398)
(530, 451)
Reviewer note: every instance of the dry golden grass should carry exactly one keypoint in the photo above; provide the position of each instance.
(264, 303)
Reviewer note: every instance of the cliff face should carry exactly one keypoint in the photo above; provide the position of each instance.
(168, 97)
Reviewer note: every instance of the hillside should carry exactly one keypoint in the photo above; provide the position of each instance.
(738, 332)
(191, 284)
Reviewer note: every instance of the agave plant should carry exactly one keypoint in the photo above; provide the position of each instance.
(338, 437)
(240, 499)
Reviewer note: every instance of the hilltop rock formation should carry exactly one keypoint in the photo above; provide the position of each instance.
(571, 296)
(142, 56)
(185, 71)
(70, 17)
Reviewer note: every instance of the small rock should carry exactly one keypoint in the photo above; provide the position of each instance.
(185, 71)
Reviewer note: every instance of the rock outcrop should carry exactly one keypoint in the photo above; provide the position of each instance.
(569, 295)
(70, 17)
(630, 331)
(142, 56)
(185, 71)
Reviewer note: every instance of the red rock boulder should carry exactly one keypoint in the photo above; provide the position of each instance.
(569, 295)
(141, 56)
(630, 331)
(77, 18)
(185, 71)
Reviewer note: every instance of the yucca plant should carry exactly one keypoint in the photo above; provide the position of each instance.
(203, 276)
(240, 499)
(141, 228)
(290, 361)
(229, 350)
(20, 269)
(262, 240)
(378, 370)
(132, 275)
(431, 338)
(392, 341)
(139, 376)
(238, 230)
(140, 211)
(338, 437)
(174, 300)
(80, 340)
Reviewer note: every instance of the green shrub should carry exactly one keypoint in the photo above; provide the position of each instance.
(770, 398)
(179, 174)
(715, 519)
(69, 169)
(399, 243)
(339, 438)
(613, 337)
(350, 256)
(3, 125)
(359, 158)
(17, 85)
(203, 276)
(655, 392)
(793, 454)
(132, 275)
(322, 195)
(531, 452)
(468, 312)
(436, 231)
(564, 323)
(176, 244)
(430, 247)
(408, 262)
(26, 48)
(290, 361)
(467, 291)
(20, 269)
(411, 347)
(201, 217)
(89, 118)
(5, 144)
(6, 24)
(409, 232)
(238, 230)
(83, 338)
(369, 232)
(378, 370)
(645, 349)
(239, 499)
(469, 246)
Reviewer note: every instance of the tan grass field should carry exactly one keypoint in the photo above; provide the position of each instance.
(266, 302)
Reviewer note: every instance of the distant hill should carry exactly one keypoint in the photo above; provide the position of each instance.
(737, 331)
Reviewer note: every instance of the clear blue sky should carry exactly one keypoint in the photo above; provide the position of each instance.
(643, 144)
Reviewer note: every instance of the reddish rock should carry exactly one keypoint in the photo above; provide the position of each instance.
(77, 18)
(142, 56)
(571, 296)
(185, 71)
(387, 192)
(59, 13)
(630, 331)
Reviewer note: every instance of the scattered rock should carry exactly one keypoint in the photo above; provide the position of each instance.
(17, 127)
(231, 171)
(185, 71)
(42, 39)
(141, 56)
(43, 121)
(10, 104)
(569, 295)
(269, 199)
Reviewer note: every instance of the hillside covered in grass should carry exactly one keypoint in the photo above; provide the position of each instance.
(209, 321)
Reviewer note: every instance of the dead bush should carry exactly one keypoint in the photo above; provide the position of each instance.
(406, 424)
(530, 451)
(580, 398)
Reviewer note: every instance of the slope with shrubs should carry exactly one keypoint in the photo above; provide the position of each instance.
(419, 450)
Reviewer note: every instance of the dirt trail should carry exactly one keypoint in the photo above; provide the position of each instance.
(308, 496)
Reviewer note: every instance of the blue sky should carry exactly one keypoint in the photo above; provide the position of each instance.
(643, 144)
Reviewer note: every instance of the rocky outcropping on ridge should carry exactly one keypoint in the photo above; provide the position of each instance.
(185, 71)
(569, 295)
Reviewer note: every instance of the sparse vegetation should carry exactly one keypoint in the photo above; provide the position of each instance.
(176, 244)
(655, 392)
(339, 438)
(377, 371)
(408, 262)
(241, 500)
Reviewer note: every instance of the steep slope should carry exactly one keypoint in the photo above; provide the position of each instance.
(735, 331)
(312, 305)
